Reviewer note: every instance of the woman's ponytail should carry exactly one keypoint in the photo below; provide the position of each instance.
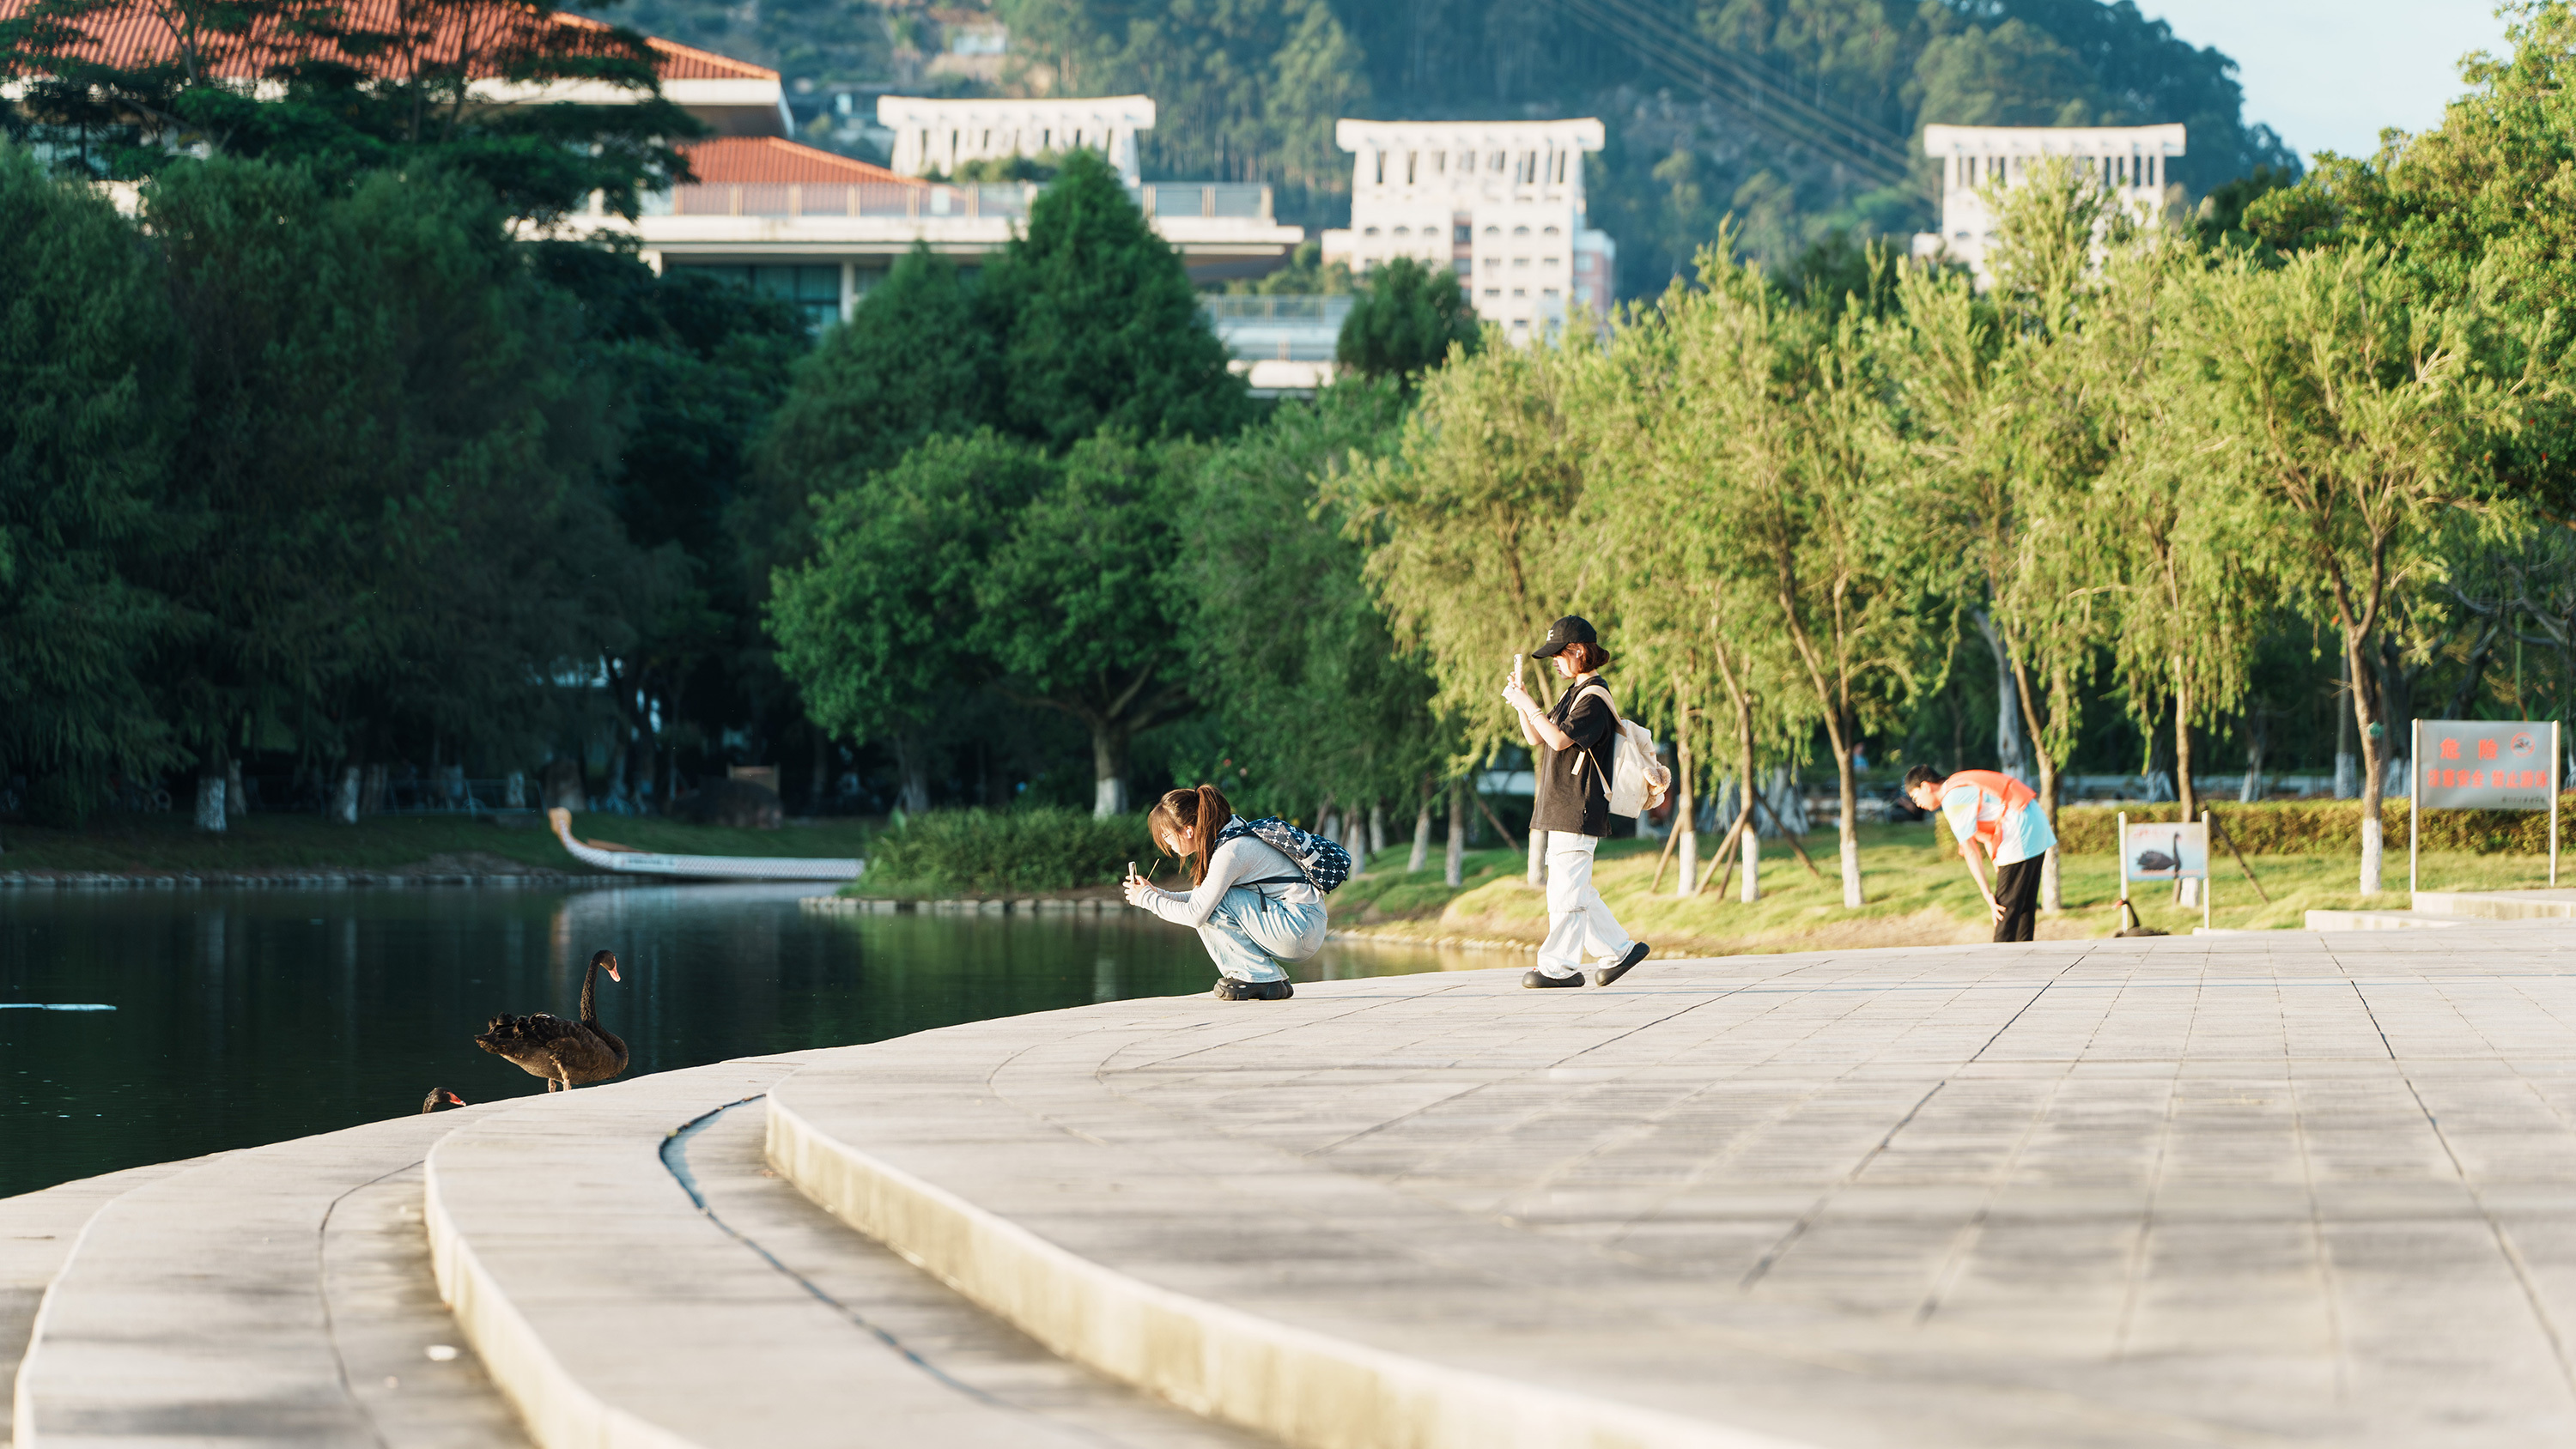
(1202, 812)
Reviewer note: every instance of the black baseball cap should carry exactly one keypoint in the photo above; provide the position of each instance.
(1568, 630)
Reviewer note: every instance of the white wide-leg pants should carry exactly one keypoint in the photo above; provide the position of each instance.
(1580, 928)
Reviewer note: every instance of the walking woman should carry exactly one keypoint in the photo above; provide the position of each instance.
(1576, 748)
(1252, 907)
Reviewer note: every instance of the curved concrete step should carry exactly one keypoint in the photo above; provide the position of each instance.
(1221, 1273)
(37, 1232)
(277, 1295)
(614, 1310)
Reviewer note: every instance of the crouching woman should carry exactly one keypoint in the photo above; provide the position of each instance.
(1252, 907)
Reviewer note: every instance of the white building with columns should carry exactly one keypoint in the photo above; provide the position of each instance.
(1976, 160)
(939, 136)
(1499, 202)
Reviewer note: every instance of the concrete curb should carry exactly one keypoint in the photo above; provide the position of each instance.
(1304, 1388)
(550, 1400)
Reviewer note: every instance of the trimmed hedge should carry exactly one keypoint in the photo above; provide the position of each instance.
(990, 852)
(2313, 827)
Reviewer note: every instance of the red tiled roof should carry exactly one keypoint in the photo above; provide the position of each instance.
(138, 33)
(769, 161)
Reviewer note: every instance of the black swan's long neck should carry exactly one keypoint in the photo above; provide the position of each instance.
(590, 993)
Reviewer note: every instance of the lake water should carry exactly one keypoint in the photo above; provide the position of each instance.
(244, 1017)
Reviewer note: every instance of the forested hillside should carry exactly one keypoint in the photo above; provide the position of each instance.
(1728, 106)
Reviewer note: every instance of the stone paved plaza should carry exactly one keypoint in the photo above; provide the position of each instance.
(2263, 1189)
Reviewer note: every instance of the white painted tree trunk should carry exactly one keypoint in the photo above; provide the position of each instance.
(1851, 869)
(210, 803)
(344, 798)
(1421, 855)
(514, 790)
(1453, 867)
(236, 800)
(1357, 843)
(1688, 849)
(1108, 797)
(2370, 854)
(1752, 867)
(1377, 826)
(2052, 889)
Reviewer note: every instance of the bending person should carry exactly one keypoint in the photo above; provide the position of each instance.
(1251, 905)
(1990, 809)
(1574, 747)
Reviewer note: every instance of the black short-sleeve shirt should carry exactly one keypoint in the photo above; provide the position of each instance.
(1574, 785)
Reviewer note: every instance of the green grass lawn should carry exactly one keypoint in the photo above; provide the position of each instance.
(436, 843)
(1917, 893)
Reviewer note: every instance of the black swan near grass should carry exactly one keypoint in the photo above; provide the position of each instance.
(567, 1054)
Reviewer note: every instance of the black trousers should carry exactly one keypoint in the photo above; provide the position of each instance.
(2017, 891)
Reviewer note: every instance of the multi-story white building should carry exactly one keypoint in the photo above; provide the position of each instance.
(1499, 202)
(939, 136)
(1976, 160)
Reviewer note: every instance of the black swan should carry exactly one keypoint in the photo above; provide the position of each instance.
(437, 1097)
(566, 1053)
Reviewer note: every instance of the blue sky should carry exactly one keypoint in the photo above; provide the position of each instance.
(2327, 74)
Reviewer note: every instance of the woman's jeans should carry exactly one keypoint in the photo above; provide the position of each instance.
(1579, 926)
(1249, 934)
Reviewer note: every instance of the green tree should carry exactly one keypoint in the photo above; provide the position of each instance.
(1077, 607)
(915, 360)
(90, 367)
(399, 466)
(2350, 414)
(875, 628)
(1097, 326)
(1470, 519)
(1408, 317)
(1289, 650)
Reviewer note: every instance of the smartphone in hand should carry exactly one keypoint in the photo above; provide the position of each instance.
(1131, 870)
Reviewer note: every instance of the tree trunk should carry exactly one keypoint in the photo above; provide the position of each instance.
(344, 798)
(1752, 837)
(236, 801)
(912, 773)
(2184, 790)
(1421, 855)
(2252, 789)
(1357, 843)
(1453, 867)
(1108, 770)
(1685, 803)
(210, 802)
(2365, 715)
(1377, 827)
(1851, 825)
(2010, 758)
(2346, 785)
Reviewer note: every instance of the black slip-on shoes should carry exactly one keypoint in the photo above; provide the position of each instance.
(1229, 989)
(1607, 974)
(1541, 979)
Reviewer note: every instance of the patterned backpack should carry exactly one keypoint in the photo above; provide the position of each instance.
(1322, 864)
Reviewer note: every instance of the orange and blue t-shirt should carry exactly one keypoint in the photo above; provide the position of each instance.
(1999, 810)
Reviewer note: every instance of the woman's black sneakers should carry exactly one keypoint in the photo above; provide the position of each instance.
(1229, 989)
(1542, 980)
(1608, 974)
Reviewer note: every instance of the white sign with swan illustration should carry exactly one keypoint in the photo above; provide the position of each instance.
(2164, 850)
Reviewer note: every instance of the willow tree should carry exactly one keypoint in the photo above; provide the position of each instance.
(2351, 415)
(1695, 603)
(1474, 548)
(2171, 535)
(2000, 424)
(1780, 403)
